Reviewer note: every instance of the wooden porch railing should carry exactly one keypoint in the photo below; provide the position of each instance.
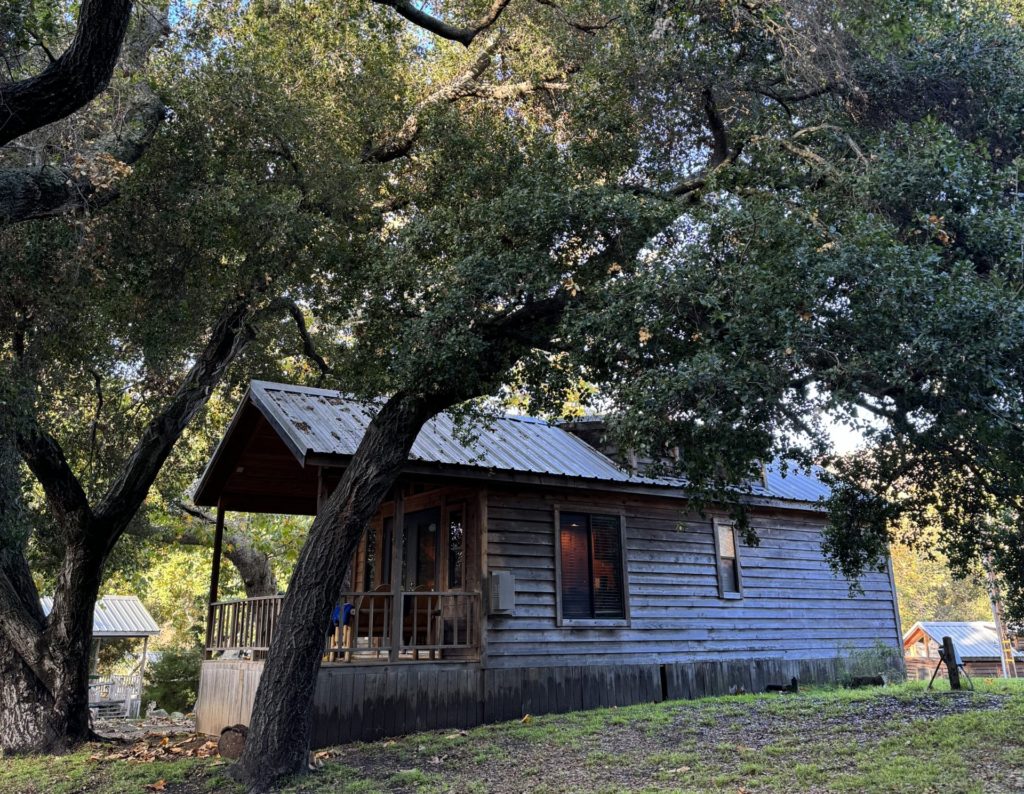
(120, 694)
(243, 625)
(430, 624)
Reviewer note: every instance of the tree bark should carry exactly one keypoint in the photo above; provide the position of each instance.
(74, 79)
(55, 188)
(28, 719)
(279, 731)
(45, 191)
(278, 741)
(45, 662)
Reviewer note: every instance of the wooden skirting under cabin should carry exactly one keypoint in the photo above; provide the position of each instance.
(374, 701)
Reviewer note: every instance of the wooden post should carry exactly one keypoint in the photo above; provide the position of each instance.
(218, 542)
(397, 533)
(142, 672)
(949, 656)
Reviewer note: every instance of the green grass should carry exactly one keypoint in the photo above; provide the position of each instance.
(896, 739)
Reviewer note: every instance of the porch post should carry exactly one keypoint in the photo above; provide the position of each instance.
(142, 671)
(218, 542)
(396, 574)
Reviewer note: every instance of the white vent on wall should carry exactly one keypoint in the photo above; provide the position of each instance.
(501, 594)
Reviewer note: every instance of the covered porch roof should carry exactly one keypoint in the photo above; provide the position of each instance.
(281, 435)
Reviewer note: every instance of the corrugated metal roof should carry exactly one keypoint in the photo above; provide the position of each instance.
(117, 616)
(324, 422)
(974, 640)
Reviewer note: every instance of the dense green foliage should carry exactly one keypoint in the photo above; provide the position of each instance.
(173, 680)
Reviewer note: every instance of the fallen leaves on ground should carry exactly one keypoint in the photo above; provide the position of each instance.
(153, 746)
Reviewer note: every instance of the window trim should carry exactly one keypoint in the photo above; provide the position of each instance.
(626, 620)
(717, 523)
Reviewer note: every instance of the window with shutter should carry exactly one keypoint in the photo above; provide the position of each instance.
(591, 567)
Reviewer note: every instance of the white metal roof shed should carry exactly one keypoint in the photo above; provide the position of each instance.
(117, 616)
(975, 641)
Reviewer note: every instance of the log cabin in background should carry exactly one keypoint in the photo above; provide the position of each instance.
(523, 571)
(977, 644)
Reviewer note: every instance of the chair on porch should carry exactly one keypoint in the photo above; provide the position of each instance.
(370, 618)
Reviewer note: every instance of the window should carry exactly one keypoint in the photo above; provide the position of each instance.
(730, 577)
(591, 575)
(370, 565)
(456, 549)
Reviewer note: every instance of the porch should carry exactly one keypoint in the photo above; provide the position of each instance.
(411, 594)
(428, 625)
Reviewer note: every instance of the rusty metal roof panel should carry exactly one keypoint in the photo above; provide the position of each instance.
(117, 616)
(325, 423)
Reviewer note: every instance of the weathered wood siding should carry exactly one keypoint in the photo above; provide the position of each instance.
(354, 703)
(683, 641)
(793, 607)
(227, 690)
(365, 703)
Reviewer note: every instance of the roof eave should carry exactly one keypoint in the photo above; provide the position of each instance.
(256, 397)
(200, 497)
(477, 473)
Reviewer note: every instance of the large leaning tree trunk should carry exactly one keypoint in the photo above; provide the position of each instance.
(279, 732)
(44, 662)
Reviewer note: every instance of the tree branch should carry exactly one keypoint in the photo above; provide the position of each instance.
(720, 142)
(21, 627)
(463, 35)
(308, 348)
(228, 338)
(47, 190)
(785, 99)
(721, 158)
(590, 28)
(73, 79)
(400, 144)
(45, 459)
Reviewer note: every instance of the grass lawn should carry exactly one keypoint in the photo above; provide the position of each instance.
(888, 739)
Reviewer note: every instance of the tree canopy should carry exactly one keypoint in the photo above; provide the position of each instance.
(717, 222)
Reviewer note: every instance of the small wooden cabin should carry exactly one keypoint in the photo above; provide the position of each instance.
(523, 571)
(976, 642)
(117, 617)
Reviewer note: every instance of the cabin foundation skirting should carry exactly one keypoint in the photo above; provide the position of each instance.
(361, 703)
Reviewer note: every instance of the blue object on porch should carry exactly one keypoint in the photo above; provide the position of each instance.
(346, 614)
(336, 615)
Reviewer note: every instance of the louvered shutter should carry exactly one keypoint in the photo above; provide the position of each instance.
(575, 555)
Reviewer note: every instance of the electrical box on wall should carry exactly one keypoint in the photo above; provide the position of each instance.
(501, 594)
